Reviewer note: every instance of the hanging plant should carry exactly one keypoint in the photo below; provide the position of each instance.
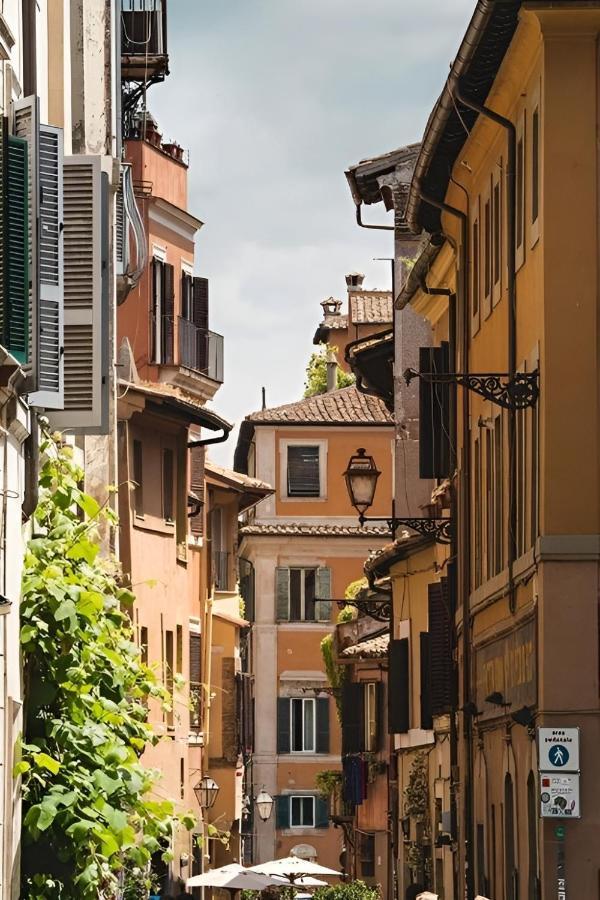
(91, 819)
(336, 674)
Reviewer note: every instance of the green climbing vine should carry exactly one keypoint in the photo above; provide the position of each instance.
(336, 674)
(91, 822)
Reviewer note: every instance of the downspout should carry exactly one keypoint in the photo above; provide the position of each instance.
(204, 442)
(512, 323)
(375, 227)
(463, 538)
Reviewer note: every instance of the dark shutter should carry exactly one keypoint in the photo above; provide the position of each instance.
(200, 320)
(16, 293)
(283, 725)
(282, 812)
(434, 414)
(426, 720)
(322, 724)
(303, 471)
(197, 457)
(282, 594)
(380, 700)
(352, 718)
(398, 687)
(321, 813)
(195, 681)
(168, 315)
(440, 655)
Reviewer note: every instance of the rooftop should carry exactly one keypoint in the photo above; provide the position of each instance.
(371, 307)
(346, 406)
(297, 529)
(370, 648)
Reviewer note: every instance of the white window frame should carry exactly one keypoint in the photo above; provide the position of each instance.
(159, 253)
(314, 809)
(302, 569)
(304, 701)
(283, 468)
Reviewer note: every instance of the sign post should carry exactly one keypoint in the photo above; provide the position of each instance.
(561, 875)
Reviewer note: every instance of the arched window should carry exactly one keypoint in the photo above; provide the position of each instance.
(532, 820)
(509, 839)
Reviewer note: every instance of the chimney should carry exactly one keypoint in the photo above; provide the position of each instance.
(331, 371)
(331, 306)
(354, 281)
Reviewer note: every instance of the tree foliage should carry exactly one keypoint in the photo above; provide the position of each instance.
(316, 372)
(349, 890)
(90, 820)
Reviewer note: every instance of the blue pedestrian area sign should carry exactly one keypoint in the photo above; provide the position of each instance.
(558, 749)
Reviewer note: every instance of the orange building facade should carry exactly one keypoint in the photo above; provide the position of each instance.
(303, 547)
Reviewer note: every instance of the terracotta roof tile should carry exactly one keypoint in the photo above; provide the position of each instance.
(297, 529)
(372, 648)
(371, 307)
(344, 406)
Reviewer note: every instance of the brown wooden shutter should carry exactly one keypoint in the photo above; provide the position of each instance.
(352, 718)
(398, 685)
(426, 719)
(440, 648)
(434, 414)
(197, 457)
(200, 320)
(168, 315)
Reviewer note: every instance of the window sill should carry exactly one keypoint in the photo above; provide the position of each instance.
(159, 526)
(287, 499)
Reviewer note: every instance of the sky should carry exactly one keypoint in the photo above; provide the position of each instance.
(274, 99)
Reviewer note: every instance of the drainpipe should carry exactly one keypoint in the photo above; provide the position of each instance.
(511, 192)
(204, 442)
(375, 227)
(462, 540)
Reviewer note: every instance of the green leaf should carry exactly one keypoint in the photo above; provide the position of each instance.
(20, 768)
(43, 761)
(90, 506)
(65, 610)
(83, 550)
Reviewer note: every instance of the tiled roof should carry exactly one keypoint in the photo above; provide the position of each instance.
(372, 648)
(297, 529)
(371, 307)
(237, 478)
(341, 407)
(335, 323)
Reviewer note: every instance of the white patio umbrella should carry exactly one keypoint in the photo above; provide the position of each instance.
(302, 881)
(233, 877)
(427, 895)
(292, 868)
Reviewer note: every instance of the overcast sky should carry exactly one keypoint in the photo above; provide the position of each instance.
(274, 99)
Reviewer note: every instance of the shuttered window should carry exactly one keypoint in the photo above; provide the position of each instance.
(441, 666)
(434, 414)
(168, 315)
(303, 725)
(199, 318)
(303, 594)
(426, 720)
(16, 281)
(352, 718)
(186, 296)
(86, 298)
(301, 811)
(26, 127)
(398, 687)
(195, 681)
(197, 457)
(303, 478)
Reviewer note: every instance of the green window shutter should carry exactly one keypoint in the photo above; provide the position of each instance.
(283, 725)
(282, 811)
(49, 394)
(282, 594)
(323, 608)
(322, 724)
(16, 291)
(321, 812)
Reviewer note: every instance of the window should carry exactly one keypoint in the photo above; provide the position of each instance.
(303, 471)
(520, 193)
(180, 649)
(497, 231)
(534, 419)
(494, 498)
(297, 589)
(168, 484)
(163, 311)
(144, 644)
(302, 812)
(367, 855)
(195, 681)
(370, 711)
(535, 165)
(138, 491)
(510, 872)
(187, 310)
(302, 730)
(487, 255)
(521, 491)
(477, 504)
(475, 281)
(498, 494)
(157, 307)
(169, 680)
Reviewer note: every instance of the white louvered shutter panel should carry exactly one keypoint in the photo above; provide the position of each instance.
(85, 298)
(26, 125)
(49, 394)
(120, 229)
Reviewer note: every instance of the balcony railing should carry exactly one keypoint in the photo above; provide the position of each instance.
(200, 350)
(144, 28)
(220, 569)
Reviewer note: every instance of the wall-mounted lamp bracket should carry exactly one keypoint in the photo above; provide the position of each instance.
(379, 609)
(519, 392)
(438, 528)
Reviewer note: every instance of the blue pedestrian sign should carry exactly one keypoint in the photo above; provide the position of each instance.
(558, 756)
(558, 749)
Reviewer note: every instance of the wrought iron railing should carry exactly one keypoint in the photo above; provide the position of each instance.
(200, 350)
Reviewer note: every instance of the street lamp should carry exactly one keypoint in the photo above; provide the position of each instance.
(206, 792)
(264, 804)
(361, 481)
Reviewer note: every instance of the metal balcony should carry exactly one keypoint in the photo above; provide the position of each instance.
(200, 350)
(144, 40)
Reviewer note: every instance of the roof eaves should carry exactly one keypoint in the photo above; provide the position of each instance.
(480, 54)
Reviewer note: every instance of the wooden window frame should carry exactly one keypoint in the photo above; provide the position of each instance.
(475, 280)
(498, 231)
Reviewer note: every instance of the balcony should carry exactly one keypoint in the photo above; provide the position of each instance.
(200, 350)
(144, 40)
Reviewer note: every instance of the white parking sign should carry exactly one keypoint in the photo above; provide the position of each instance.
(558, 749)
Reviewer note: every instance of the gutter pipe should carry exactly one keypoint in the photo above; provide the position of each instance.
(511, 191)
(204, 442)
(464, 533)
(375, 227)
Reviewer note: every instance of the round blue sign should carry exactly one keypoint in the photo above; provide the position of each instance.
(558, 755)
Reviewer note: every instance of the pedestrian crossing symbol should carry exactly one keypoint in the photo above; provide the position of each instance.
(558, 755)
